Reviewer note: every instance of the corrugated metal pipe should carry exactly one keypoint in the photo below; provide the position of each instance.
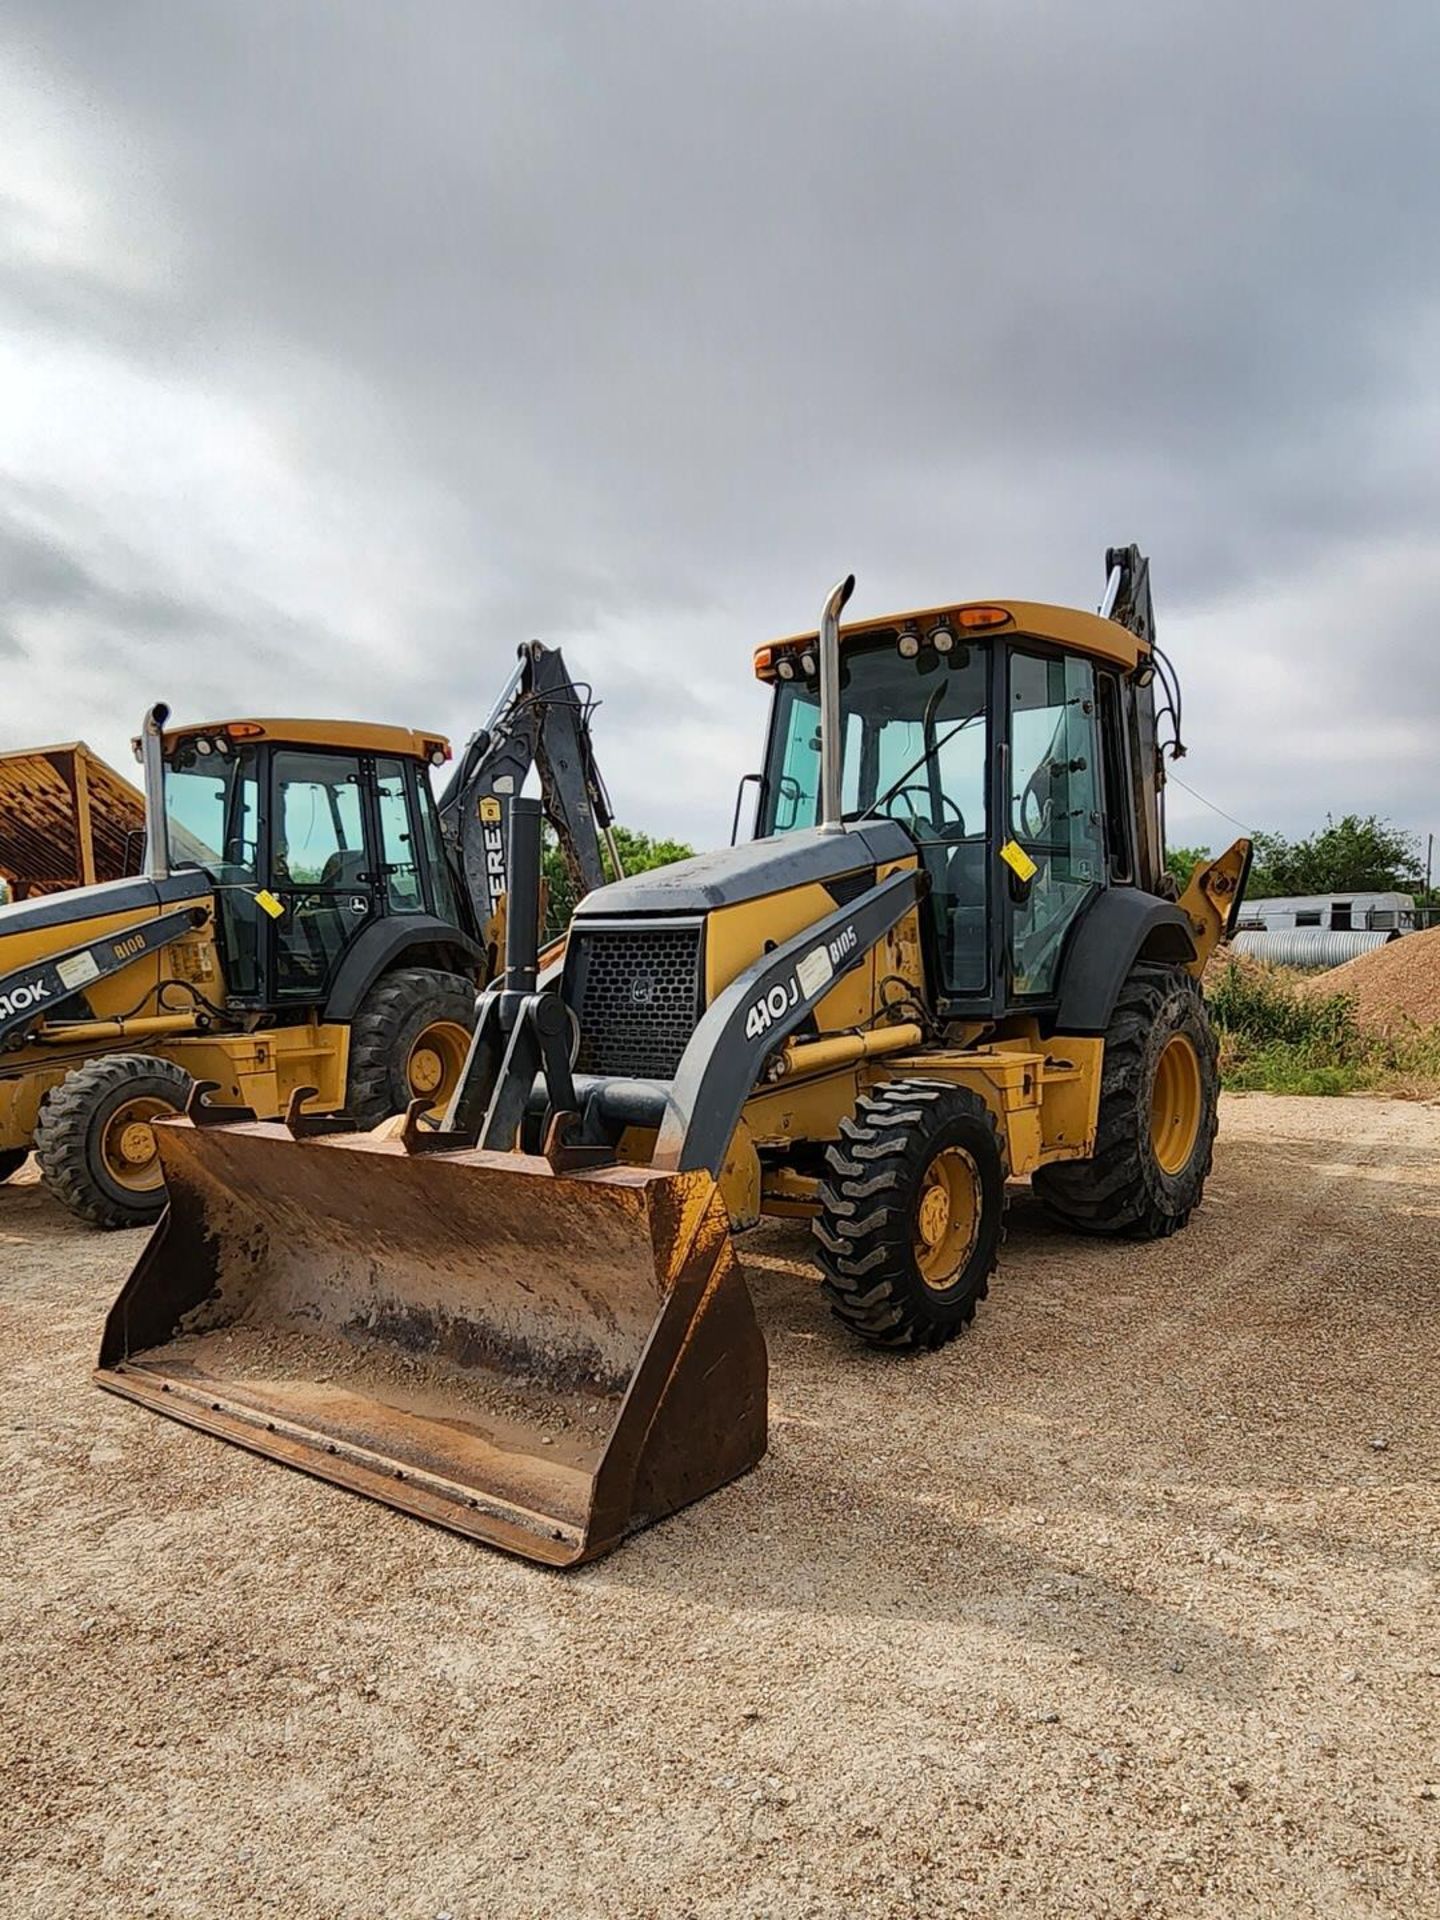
(1312, 948)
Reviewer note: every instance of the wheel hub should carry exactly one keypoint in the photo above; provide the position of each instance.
(426, 1070)
(128, 1145)
(436, 1062)
(1176, 1104)
(934, 1214)
(947, 1217)
(137, 1143)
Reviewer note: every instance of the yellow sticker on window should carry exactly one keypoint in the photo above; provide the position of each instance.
(1018, 860)
(264, 898)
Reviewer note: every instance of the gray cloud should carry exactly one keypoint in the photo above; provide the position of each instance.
(634, 328)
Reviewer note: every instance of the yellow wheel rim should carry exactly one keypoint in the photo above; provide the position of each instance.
(1176, 1102)
(947, 1217)
(436, 1061)
(127, 1146)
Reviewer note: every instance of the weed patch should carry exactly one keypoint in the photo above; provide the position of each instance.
(1276, 1039)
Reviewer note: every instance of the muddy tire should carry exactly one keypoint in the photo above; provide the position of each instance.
(409, 1039)
(94, 1140)
(911, 1213)
(1159, 1108)
(11, 1161)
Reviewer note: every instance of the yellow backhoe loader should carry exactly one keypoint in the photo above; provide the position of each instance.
(309, 917)
(949, 959)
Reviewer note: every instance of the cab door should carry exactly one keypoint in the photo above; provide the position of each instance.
(1055, 851)
(325, 868)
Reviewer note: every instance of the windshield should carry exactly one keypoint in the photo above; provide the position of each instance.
(212, 811)
(915, 726)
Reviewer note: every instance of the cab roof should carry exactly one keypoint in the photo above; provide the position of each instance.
(353, 736)
(1069, 627)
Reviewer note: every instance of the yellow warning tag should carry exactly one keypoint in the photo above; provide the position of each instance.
(1018, 860)
(264, 898)
(489, 810)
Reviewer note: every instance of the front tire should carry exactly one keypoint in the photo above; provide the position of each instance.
(1159, 1110)
(911, 1213)
(408, 1041)
(95, 1141)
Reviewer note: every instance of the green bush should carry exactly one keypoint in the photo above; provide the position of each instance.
(1261, 1006)
(1276, 1038)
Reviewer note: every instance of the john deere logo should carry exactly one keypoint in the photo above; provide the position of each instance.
(642, 990)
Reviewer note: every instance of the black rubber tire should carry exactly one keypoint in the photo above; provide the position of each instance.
(391, 1016)
(869, 1198)
(71, 1126)
(11, 1161)
(1122, 1189)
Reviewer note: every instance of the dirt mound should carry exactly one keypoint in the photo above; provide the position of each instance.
(1393, 985)
(1250, 967)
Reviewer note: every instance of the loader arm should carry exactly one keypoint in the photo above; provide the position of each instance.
(27, 994)
(542, 720)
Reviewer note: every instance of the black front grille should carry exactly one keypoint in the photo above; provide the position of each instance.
(637, 995)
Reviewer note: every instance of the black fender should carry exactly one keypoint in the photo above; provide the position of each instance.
(384, 945)
(1121, 925)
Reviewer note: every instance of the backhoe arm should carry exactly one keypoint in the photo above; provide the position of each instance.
(543, 720)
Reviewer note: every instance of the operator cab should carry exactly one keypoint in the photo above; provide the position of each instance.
(996, 736)
(310, 833)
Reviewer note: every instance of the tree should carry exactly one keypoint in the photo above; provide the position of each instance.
(1349, 855)
(1181, 862)
(639, 852)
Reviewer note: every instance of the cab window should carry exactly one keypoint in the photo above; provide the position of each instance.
(403, 893)
(914, 750)
(1054, 806)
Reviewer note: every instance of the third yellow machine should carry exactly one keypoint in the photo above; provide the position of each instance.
(950, 957)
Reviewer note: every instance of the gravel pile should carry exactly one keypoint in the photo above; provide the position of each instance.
(1395, 985)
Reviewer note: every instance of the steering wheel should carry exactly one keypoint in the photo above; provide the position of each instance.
(916, 816)
(1036, 810)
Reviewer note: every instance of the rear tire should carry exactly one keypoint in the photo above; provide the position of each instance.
(408, 1040)
(911, 1213)
(94, 1141)
(11, 1162)
(1159, 1109)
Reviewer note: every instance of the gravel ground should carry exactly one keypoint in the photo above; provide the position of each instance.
(1126, 1603)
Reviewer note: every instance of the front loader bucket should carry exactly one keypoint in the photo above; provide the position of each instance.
(543, 1361)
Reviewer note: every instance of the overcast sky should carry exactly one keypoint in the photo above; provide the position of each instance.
(345, 346)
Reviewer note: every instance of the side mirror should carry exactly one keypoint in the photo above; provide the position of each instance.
(745, 780)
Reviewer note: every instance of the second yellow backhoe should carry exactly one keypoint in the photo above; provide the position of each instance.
(309, 915)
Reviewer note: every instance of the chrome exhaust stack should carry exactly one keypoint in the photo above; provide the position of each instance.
(831, 732)
(152, 761)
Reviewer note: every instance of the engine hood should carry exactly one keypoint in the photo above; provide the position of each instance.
(732, 875)
(79, 905)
